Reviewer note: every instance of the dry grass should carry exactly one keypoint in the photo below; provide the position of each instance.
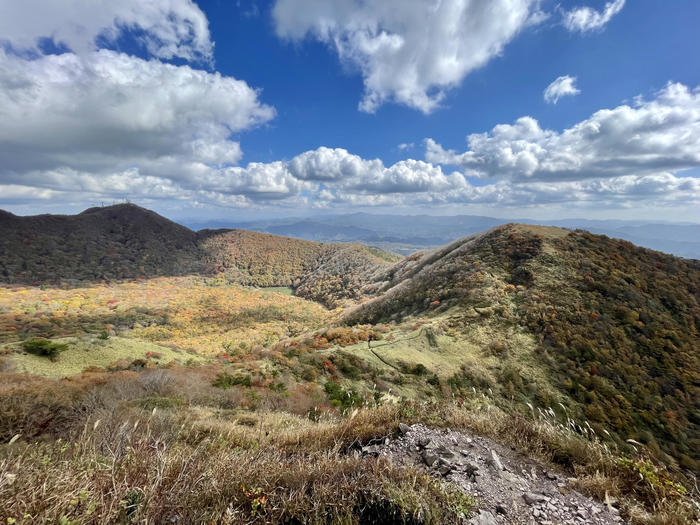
(148, 467)
(164, 444)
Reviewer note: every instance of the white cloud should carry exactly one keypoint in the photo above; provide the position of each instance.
(167, 28)
(327, 164)
(95, 125)
(408, 51)
(406, 183)
(654, 136)
(584, 19)
(104, 112)
(562, 87)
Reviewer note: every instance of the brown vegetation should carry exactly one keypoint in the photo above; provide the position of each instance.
(127, 242)
(159, 445)
(616, 326)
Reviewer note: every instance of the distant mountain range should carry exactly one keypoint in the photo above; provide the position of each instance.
(406, 234)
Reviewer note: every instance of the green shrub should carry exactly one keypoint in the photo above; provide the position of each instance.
(434, 380)
(43, 347)
(225, 381)
(149, 403)
(342, 399)
(418, 370)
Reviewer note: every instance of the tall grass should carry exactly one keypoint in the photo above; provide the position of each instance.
(90, 452)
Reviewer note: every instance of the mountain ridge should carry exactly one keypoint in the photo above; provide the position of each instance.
(614, 326)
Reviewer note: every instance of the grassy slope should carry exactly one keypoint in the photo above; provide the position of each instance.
(614, 327)
(155, 445)
(479, 335)
(84, 352)
(171, 316)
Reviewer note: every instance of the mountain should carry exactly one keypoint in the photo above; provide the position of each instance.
(614, 327)
(406, 234)
(125, 242)
(114, 242)
(524, 355)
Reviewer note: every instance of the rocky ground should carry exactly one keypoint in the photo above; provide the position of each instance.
(510, 488)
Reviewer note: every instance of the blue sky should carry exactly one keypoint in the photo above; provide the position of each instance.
(224, 108)
(638, 52)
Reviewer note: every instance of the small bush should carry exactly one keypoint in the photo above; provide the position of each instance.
(225, 381)
(43, 347)
(342, 399)
(149, 403)
(418, 370)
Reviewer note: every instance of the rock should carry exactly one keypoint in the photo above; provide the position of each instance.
(501, 509)
(371, 450)
(551, 475)
(429, 458)
(471, 469)
(444, 452)
(444, 470)
(510, 477)
(496, 461)
(484, 518)
(531, 498)
(404, 429)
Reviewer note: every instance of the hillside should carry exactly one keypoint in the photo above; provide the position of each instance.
(125, 242)
(114, 242)
(530, 343)
(614, 327)
(319, 271)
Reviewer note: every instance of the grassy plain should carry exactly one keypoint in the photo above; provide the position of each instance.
(180, 318)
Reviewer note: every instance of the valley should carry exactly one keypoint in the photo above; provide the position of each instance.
(212, 350)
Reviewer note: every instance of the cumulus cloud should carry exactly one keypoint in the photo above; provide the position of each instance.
(653, 136)
(563, 86)
(408, 51)
(368, 183)
(97, 123)
(92, 124)
(167, 28)
(328, 164)
(585, 19)
(103, 110)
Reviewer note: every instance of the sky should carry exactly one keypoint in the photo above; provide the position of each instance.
(243, 109)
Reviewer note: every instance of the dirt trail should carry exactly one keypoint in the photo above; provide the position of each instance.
(510, 488)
